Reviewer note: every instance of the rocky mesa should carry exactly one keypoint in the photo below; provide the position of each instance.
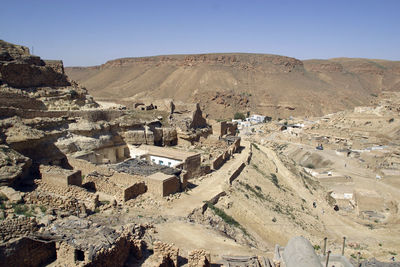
(223, 84)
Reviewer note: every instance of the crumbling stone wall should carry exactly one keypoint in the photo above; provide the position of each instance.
(218, 162)
(114, 256)
(20, 226)
(71, 198)
(27, 252)
(166, 253)
(134, 191)
(192, 166)
(224, 128)
(105, 185)
(225, 155)
(199, 258)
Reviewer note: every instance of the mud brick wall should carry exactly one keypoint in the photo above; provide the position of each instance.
(166, 251)
(64, 198)
(134, 191)
(21, 226)
(192, 165)
(199, 258)
(27, 252)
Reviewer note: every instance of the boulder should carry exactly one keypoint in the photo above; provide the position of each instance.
(11, 194)
(14, 167)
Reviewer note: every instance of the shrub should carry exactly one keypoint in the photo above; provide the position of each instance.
(317, 247)
(274, 180)
(391, 120)
(310, 166)
(255, 146)
(239, 116)
(22, 209)
(43, 208)
(225, 217)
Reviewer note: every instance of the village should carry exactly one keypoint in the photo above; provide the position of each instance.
(158, 183)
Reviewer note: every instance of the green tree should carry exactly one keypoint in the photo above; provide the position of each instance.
(239, 116)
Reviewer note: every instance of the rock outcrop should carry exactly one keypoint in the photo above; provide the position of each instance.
(14, 167)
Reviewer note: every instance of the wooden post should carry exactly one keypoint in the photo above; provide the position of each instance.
(344, 244)
(358, 259)
(324, 250)
(327, 259)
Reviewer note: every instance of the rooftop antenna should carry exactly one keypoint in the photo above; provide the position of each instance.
(32, 50)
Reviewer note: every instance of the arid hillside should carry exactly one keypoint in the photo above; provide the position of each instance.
(225, 83)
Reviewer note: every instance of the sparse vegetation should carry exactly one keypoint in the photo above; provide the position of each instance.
(3, 199)
(255, 146)
(43, 208)
(272, 176)
(370, 226)
(257, 192)
(274, 180)
(391, 120)
(310, 166)
(22, 209)
(374, 95)
(317, 247)
(104, 202)
(225, 217)
(239, 116)
(392, 253)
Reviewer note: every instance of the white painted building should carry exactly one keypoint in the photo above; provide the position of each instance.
(257, 118)
(164, 161)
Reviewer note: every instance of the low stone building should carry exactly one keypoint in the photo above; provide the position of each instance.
(188, 161)
(161, 184)
(61, 177)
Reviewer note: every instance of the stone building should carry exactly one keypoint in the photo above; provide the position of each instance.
(188, 161)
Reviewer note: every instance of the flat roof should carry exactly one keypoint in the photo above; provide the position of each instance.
(159, 176)
(168, 152)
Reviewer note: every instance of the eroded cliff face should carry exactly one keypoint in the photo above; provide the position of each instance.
(44, 116)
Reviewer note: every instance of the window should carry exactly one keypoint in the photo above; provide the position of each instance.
(169, 163)
(161, 162)
(79, 255)
(153, 160)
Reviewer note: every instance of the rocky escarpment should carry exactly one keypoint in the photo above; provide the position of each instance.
(224, 84)
(44, 116)
(20, 69)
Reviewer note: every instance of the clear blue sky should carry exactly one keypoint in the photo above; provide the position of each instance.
(86, 32)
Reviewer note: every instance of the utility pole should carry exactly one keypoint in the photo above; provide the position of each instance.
(324, 250)
(327, 259)
(344, 244)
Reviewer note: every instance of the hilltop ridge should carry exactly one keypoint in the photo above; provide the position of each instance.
(224, 83)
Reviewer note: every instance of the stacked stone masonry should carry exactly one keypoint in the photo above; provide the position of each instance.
(199, 258)
(13, 228)
(166, 253)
